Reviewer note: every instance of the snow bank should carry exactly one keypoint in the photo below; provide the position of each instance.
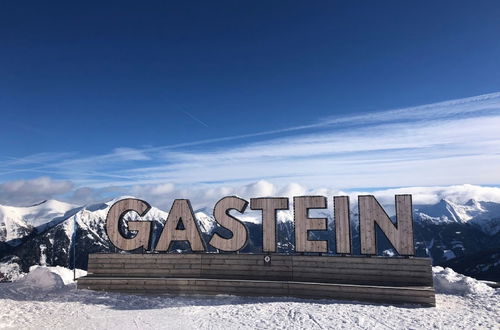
(448, 281)
(64, 273)
(42, 278)
(49, 278)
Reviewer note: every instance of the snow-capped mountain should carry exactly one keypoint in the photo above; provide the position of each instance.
(19, 222)
(463, 236)
(484, 215)
(57, 233)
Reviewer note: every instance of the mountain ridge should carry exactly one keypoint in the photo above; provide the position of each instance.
(445, 231)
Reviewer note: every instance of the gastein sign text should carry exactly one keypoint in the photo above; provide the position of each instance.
(371, 214)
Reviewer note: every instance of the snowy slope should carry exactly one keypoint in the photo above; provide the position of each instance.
(30, 304)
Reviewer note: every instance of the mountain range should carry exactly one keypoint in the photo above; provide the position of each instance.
(465, 237)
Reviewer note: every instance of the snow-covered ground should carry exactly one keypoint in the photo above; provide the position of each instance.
(47, 298)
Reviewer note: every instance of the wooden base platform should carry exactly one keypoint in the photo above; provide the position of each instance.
(202, 286)
(375, 279)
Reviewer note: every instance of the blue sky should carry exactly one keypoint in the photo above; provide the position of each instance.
(106, 98)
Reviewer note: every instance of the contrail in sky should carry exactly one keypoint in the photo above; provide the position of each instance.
(195, 119)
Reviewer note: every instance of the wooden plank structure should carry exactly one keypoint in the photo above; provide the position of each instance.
(240, 233)
(269, 207)
(371, 213)
(304, 224)
(342, 224)
(373, 279)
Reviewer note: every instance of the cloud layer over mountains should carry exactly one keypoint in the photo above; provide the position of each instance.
(28, 192)
(431, 149)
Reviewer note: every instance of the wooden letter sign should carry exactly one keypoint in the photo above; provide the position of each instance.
(181, 225)
(143, 228)
(311, 271)
(238, 229)
(400, 236)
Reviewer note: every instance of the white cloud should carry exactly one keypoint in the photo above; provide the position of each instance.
(433, 149)
(25, 192)
(162, 189)
(415, 166)
(130, 154)
(260, 188)
(445, 143)
(292, 189)
(206, 197)
(456, 149)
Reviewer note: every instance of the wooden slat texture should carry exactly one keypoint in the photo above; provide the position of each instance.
(381, 279)
(400, 235)
(342, 224)
(238, 228)
(404, 216)
(417, 295)
(142, 228)
(328, 269)
(364, 260)
(269, 207)
(303, 224)
(181, 211)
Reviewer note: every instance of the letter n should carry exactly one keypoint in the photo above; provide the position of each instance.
(400, 235)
